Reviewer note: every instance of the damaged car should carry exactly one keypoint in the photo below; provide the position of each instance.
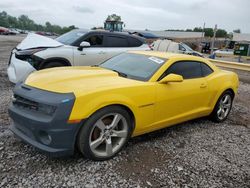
(76, 48)
(97, 109)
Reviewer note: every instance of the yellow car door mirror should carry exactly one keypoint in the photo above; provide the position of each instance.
(171, 78)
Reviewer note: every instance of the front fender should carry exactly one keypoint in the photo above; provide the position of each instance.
(63, 52)
(141, 107)
(86, 106)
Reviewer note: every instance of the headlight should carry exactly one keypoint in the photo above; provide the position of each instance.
(28, 55)
(25, 103)
(28, 52)
(46, 109)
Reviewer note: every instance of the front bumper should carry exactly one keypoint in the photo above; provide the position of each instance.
(48, 133)
(18, 70)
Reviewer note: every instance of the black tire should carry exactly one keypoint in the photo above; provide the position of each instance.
(52, 65)
(87, 131)
(215, 114)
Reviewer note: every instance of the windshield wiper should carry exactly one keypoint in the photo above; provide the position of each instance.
(94, 65)
(120, 73)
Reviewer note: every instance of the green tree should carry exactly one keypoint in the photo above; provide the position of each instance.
(39, 27)
(221, 33)
(25, 23)
(209, 32)
(4, 19)
(48, 26)
(197, 29)
(12, 21)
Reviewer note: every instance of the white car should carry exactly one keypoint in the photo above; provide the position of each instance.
(224, 52)
(75, 48)
(174, 47)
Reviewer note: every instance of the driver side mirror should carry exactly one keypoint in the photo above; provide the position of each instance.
(171, 78)
(83, 44)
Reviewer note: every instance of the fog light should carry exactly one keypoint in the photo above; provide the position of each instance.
(45, 137)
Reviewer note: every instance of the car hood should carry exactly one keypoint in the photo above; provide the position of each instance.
(35, 41)
(79, 80)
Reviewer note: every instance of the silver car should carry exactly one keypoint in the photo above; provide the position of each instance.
(75, 48)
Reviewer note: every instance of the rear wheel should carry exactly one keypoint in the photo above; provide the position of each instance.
(222, 107)
(105, 133)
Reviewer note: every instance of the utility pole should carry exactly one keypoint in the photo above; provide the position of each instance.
(203, 32)
(202, 36)
(212, 45)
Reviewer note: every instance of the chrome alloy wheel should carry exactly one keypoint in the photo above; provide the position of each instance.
(108, 134)
(224, 106)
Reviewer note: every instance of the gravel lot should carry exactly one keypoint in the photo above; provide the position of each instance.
(198, 153)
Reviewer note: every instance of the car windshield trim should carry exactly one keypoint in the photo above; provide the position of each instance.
(120, 73)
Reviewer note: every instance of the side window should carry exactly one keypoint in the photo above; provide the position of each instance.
(95, 40)
(133, 42)
(206, 70)
(114, 41)
(181, 48)
(187, 69)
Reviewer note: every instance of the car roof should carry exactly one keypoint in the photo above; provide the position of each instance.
(145, 34)
(179, 57)
(165, 55)
(112, 33)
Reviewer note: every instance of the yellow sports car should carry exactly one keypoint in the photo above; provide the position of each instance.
(97, 109)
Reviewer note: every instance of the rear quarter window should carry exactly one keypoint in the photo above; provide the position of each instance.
(206, 70)
(133, 42)
(116, 41)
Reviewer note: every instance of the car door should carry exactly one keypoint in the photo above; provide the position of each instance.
(92, 55)
(180, 101)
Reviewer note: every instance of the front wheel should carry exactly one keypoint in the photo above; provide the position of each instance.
(105, 133)
(222, 107)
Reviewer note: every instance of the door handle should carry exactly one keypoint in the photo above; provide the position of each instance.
(203, 85)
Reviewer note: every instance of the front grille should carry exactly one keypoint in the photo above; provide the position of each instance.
(24, 103)
(21, 102)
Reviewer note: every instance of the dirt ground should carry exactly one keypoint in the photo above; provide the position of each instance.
(197, 153)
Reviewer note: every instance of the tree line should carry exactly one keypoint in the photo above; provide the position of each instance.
(209, 32)
(23, 22)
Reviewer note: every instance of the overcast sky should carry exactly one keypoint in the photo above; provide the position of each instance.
(137, 14)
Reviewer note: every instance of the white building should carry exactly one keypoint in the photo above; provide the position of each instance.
(241, 37)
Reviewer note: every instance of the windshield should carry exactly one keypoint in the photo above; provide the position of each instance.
(187, 47)
(134, 66)
(70, 37)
